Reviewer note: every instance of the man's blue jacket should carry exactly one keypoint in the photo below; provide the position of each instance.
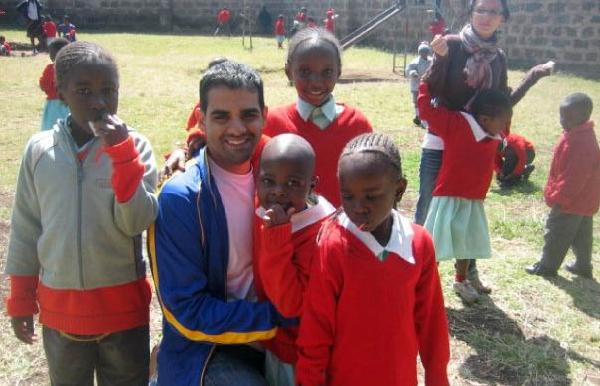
(188, 247)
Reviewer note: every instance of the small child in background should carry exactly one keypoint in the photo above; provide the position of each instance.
(414, 72)
(572, 191)
(85, 194)
(374, 300)
(286, 228)
(280, 31)
(49, 28)
(223, 18)
(311, 23)
(5, 48)
(456, 217)
(514, 161)
(67, 30)
(330, 17)
(54, 108)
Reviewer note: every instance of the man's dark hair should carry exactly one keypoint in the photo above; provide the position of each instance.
(234, 76)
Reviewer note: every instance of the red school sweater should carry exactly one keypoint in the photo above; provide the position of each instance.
(365, 320)
(123, 306)
(328, 144)
(520, 145)
(574, 178)
(282, 267)
(467, 164)
(47, 82)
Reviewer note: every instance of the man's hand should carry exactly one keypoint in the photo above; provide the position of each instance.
(23, 328)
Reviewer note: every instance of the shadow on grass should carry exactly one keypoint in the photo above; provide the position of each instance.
(585, 293)
(527, 187)
(504, 355)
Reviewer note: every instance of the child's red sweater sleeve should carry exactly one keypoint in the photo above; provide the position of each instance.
(47, 80)
(430, 314)
(283, 280)
(519, 145)
(128, 170)
(22, 300)
(438, 118)
(317, 325)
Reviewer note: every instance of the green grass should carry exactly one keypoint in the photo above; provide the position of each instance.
(529, 331)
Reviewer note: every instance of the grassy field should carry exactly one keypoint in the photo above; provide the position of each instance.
(529, 331)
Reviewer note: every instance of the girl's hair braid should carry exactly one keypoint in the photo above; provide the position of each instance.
(379, 144)
(314, 34)
(79, 53)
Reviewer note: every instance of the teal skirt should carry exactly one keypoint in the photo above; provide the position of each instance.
(53, 110)
(459, 228)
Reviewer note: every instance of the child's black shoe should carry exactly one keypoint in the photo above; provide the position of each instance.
(417, 121)
(576, 271)
(540, 270)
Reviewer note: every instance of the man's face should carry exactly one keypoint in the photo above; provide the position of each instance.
(233, 124)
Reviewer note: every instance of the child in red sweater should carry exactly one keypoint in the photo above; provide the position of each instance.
(313, 65)
(572, 191)
(54, 108)
(456, 217)
(280, 31)
(5, 48)
(374, 299)
(286, 226)
(514, 162)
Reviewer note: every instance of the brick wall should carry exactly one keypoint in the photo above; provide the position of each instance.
(566, 31)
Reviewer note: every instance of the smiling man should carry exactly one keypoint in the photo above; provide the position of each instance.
(201, 244)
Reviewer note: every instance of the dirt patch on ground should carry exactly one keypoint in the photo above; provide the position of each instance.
(370, 76)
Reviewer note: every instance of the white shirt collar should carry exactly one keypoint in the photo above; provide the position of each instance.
(400, 241)
(305, 109)
(477, 130)
(308, 216)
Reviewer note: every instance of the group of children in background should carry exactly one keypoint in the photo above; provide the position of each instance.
(362, 278)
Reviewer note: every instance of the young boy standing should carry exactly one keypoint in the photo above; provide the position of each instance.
(414, 71)
(572, 191)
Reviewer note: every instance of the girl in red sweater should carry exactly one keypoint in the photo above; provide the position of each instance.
(54, 108)
(314, 66)
(456, 217)
(374, 299)
(286, 225)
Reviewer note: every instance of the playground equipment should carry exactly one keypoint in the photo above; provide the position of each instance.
(362, 32)
(247, 25)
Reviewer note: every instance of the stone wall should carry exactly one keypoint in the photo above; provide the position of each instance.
(566, 31)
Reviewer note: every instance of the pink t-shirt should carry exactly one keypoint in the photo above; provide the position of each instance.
(237, 195)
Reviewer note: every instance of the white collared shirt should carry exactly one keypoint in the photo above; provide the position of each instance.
(308, 216)
(400, 241)
(477, 130)
(323, 115)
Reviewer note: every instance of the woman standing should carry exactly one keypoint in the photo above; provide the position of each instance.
(463, 65)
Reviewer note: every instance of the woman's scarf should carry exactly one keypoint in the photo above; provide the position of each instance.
(478, 69)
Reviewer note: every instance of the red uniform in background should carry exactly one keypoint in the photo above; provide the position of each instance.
(49, 28)
(330, 20)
